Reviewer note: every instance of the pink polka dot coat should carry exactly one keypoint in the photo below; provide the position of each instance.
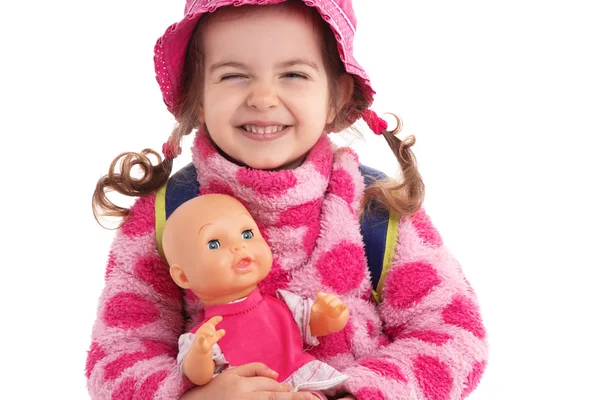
(424, 341)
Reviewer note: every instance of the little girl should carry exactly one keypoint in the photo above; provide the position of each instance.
(262, 83)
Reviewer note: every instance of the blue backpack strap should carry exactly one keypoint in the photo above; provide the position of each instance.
(181, 187)
(379, 229)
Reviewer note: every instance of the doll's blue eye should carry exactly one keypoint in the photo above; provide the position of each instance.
(247, 234)
(213, 244)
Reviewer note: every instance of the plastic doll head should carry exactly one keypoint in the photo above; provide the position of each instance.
(215, 248)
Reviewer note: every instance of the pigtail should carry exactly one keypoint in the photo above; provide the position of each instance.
(402, 198)
(120, 177)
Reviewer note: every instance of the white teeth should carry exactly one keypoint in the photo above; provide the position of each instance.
(264, 129)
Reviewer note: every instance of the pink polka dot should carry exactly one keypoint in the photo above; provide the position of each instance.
(434, 377)
(341, 184)
(269, 184)
(95, 354)
(343, 267)
(129, 311)
(204, 146)
(141, 218)
(216, 187)
(278, 278)
(334, 344)
(156, 347)
(152, 271)
(407, 285)
(383, 368)
(150, 385)
(110, 266)
(370, 393)
(321, 157)
(307, 213)
(114, 369)
(126, 390)
(464, 312)
(437, 338)
(474, 377)
(425, 229)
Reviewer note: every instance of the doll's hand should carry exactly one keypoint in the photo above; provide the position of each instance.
(327, 315)
(207, 335)
(198, 364)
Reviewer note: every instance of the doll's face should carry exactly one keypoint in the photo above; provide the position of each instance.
(215, 249)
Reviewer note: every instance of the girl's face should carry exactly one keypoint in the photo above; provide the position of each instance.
(266, 100)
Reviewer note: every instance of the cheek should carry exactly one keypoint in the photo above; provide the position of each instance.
(313, 108)
(266, 258)
(211, 266)
(215, 105)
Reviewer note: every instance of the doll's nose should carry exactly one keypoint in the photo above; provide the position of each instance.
(238, 246)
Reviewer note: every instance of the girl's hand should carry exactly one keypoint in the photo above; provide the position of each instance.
(347, 396)
(253, 381)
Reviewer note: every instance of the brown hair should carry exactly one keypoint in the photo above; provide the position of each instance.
(403, 198)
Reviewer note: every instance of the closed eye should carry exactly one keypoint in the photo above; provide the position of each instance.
(231, 77)
(294, 75)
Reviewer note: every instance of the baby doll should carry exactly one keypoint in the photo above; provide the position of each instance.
(214, 248)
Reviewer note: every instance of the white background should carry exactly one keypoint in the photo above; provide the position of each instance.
(503, 97)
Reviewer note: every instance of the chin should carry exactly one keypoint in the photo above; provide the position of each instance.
(268, 165)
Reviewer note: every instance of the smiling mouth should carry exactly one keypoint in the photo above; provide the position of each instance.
(264, 129)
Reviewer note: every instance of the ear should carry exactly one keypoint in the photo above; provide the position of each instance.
(201, 116)
(179, 276)
(344, 91)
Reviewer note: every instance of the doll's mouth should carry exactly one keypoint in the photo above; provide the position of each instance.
(244, 264)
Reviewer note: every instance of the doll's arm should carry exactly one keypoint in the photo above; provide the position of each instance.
(300, 309)
(198, 364)
(327, 315)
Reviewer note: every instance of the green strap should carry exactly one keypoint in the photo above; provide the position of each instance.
(160, 217)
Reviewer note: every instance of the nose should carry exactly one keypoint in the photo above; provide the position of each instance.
(263, 96)
(237, 246)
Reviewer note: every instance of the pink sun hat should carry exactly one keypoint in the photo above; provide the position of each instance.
(171, 49)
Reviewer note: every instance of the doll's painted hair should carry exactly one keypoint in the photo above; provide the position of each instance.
(404, 198)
